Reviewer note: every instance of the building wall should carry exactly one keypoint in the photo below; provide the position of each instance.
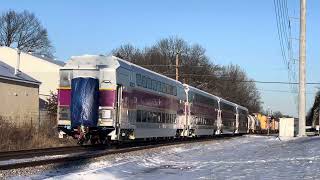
(45, 72)
(19, 102)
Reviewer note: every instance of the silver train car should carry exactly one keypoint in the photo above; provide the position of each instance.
(105, 98)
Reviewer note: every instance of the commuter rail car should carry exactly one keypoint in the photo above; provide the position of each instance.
(105, 98)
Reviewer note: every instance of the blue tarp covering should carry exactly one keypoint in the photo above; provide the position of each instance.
(84, 102)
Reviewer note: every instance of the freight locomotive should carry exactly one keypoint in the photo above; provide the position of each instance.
(104, 99)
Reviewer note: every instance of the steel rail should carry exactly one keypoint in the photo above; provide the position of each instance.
(94, 152)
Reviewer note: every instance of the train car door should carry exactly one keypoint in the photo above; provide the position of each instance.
(118, 110)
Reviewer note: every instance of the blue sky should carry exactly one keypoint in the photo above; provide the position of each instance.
(239, 32)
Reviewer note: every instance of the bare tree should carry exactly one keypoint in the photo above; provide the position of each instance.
(234, 85)
(229, 82)
(25, 32)
(313, 114)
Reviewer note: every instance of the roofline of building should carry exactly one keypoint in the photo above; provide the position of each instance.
(55, 62)
(20, 80)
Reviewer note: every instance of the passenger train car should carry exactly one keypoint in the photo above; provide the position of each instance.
(105, 98)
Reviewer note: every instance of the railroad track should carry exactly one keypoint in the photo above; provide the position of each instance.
(7, 155)
(83, 152)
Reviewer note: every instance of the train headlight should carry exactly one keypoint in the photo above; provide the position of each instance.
(105, 114)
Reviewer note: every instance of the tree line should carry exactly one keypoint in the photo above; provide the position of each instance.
(195, 68)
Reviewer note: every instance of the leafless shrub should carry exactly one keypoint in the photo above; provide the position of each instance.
(28, 136)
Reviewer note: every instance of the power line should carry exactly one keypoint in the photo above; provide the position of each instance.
(281, 91)
(169, 65)
(235, 80)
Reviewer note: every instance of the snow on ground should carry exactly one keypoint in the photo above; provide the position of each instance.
(246, 157)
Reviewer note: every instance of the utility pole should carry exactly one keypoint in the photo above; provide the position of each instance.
(268, 121)
(302, 70)
(177, 65)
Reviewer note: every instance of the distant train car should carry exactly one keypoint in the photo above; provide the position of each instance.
(253, 124)
(242, 120)
(203, 111)
(274, 125)
(228, 116)
(267, 124)
(105, 99)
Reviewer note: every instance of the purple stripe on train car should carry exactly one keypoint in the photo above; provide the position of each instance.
(64, 97)
(107, 98)
(150, 100)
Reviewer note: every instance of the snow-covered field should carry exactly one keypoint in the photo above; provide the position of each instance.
(246, 157)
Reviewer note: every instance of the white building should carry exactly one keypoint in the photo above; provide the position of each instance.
(19, 96)
(38, 67)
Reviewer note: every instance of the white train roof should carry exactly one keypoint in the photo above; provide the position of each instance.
(101, 61)
(201, 91)
(90, 62)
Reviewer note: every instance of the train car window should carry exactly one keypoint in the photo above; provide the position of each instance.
(163, 87)
(163, 117)
(175, 91)
(150, 117)
(167, 89)
(154, 84)
(228, 107)
(191, 96)
(154, 117)
(144, 115)
(158, 86)
(174, 118)
(171, 90)
(167, 118)
(138, 115)
(149, 83)
(138, 79)
(144, 81)
(158, 117)
(65, 78)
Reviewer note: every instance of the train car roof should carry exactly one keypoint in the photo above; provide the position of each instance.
(101, 61)
(241, 107)
(201, 91)
(140, 69)
(229, 102)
